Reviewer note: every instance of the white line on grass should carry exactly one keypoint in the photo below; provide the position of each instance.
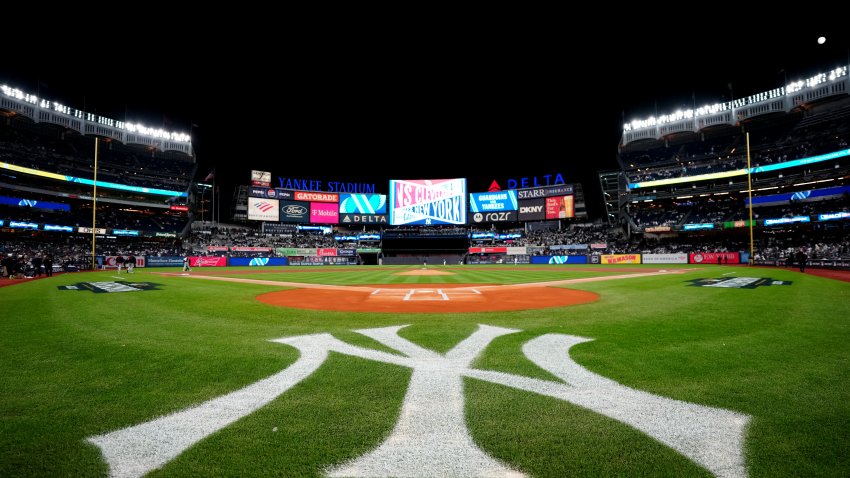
(431, 437)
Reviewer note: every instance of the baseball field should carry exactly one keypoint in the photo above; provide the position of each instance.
(557, 371)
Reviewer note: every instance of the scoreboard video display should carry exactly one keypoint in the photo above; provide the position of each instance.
(428, 201)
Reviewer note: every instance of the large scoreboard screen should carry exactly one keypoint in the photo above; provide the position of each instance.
(428, 201)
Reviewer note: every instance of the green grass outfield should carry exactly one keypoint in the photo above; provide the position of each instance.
(77, 364)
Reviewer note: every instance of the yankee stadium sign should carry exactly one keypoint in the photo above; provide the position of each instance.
(330, 186)
(431, 437)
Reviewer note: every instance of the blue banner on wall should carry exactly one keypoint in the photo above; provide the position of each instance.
(493, 201)
(258, 261)
(798, 196)
(163, 261)
(559, 259)
(10, 201)
(696, 227)
(362, 204)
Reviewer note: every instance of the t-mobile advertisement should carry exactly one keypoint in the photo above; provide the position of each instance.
(324, 213)
(428, 201)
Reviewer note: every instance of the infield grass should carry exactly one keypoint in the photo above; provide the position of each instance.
(76, 364)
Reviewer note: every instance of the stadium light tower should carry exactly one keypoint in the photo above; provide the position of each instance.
(94, 208)
(750, 193)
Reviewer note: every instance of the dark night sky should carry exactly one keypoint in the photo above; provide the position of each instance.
(439, 102)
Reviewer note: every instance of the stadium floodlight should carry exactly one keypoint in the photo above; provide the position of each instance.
(789, 88)
(137, 128)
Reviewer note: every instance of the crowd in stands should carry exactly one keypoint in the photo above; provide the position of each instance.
(108, 216)
(47, 148)
(677, 213)
(403, 231)
(772, 141)
(24, 256)
(199, 241)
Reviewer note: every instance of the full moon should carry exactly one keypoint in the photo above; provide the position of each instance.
(821, 40)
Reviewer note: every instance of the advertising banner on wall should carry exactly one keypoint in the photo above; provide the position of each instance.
(665, 258)
(488, 259)
(323, 261)
(363, 219)
(517, 251)
(276, 228)
(532, 209)
(88, 230)
(362, 204)
(620, 259)
(697, 227)
(56, 228)
(786, 220)
(109, 261)
(34, 203)
(258, 261)
(493, 201)
(296, 251)
(560, 207)
(250, 249)
(501, 216)
(294, 211)
(270, 193)
(488, 250)
(217, 249)
(734, 224)
(163, 261)
(428, 201)
(260, 209)
(833, 216)
(559, 259)
(568, 247)
(314, 196)
(207, 261)
(531, 193)
(324, 213)
(715, 258)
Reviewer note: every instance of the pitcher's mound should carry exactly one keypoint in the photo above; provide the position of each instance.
(424, 272)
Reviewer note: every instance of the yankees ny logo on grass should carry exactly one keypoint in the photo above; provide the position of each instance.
(431, 437)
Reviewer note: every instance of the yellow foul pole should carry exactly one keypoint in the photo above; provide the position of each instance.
(750, 192)
(94, 209)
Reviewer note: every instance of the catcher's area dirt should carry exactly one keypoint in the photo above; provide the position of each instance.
(422, 298)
